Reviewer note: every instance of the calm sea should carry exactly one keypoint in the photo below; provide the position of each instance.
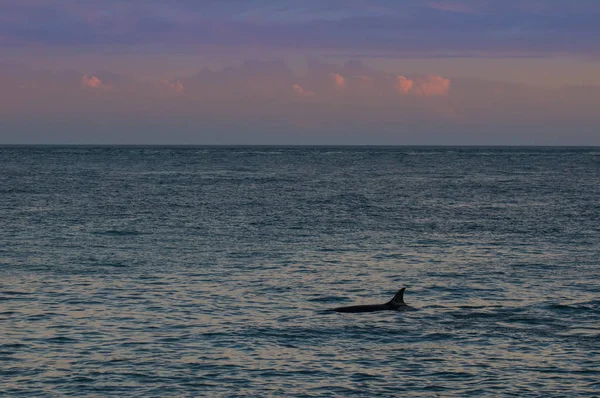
(182, 272)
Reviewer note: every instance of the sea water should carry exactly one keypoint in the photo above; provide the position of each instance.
(205, 271)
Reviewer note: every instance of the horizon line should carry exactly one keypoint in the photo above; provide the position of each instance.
(298, 146)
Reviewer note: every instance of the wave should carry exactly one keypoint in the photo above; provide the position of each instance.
(114, 232)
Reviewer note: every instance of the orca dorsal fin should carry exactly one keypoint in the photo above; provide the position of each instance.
(399, 297)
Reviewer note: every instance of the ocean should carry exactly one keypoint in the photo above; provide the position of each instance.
(206, 271)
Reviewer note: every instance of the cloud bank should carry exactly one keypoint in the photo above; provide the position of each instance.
(264, 102)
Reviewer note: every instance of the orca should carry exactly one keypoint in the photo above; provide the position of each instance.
(395, 304)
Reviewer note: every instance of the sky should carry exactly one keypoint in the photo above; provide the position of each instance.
(308, 72)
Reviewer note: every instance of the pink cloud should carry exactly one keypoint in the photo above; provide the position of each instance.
(94, 83)
(424, 86)
(300, 91)
(175, 86)
(338, 80)
(403, 85)
(431, 85)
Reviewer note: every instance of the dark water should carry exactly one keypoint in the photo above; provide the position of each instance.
(204, 271)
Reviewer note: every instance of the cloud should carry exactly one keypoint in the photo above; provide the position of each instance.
(431, 85)
(272, 79)
(423, 86)
(92, 82)
(403, 85)
(339, 81)
(175, 86)
(302, 92)
(251, 80)
(376, 106)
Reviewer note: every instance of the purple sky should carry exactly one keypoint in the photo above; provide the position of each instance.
(300, 72)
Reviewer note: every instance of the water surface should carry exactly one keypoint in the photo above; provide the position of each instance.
(163, 272)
